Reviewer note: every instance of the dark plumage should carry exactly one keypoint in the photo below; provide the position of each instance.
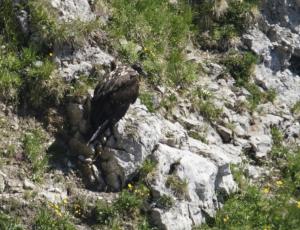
(112, 98)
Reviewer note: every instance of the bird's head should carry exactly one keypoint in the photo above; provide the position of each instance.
(139, 69)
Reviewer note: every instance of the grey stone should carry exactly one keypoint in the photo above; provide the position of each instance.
(27, 184)
(225, 133)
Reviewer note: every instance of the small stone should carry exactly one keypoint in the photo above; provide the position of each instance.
(2, 184)
(225, 133)
(27, 184)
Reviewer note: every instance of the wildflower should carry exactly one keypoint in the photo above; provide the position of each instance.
(298, 204)
(130, 186)
(266, 190)
(50, 54)
(226, 218)
(65, 201)
(279, 183)
(58, 213)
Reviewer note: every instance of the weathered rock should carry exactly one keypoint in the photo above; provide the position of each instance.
(71, 10)
(225, 133)
(203, 178)
(260, 146)
(2, 182)
(27, 184)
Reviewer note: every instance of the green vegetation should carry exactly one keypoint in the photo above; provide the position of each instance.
(47, 219)
(178, 186)
(165, 202)
(27, 73)
(157, 33)
(147, 100)
(128, 205)
(275, 204)
(220, 21)
(296, 108)
(35, 153)
(203, 103)
(240, 66)
(9, 223)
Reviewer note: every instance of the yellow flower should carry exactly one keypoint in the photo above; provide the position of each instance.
(298, 204)
(50, 54)
(279, 183)
(65, 201)
(226, 218)
(130, 186)
(266, 190)
(58, 213)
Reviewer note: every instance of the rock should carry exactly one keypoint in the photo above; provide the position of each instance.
(27, 184)
(53, 194)
(73, 9)
(256, 172)
(2, 183)
(225, 133)
(260, 146)
(200, 200)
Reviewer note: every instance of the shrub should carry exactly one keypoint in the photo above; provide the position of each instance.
(240, 66)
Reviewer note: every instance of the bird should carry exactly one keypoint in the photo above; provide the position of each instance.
(113, 96)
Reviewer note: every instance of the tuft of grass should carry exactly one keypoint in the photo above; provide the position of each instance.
(147, 100)
(240, 66)
(35, 153)
(178, 186)
(9, 223)
(203, 102)
(47, 220)
(146, 168)
(296, 108)
(165, 202)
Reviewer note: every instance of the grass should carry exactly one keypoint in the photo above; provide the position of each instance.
(9, 223)
(161, 37)
(220, 21)
(47, 219)
(296, 108)
(274, 204)
(35, 153)
(240, 66)
(147, 100)
(178, 186)
(203, 103)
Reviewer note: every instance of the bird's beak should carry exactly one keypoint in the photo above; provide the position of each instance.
(138, 68)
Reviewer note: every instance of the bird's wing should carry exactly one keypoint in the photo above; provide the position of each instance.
(111, 83)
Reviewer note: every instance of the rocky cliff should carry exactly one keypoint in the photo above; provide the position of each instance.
(192, 153)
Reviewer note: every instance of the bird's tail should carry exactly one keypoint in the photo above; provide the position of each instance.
(100, 130)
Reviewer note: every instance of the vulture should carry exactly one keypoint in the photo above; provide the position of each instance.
(112, 98)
